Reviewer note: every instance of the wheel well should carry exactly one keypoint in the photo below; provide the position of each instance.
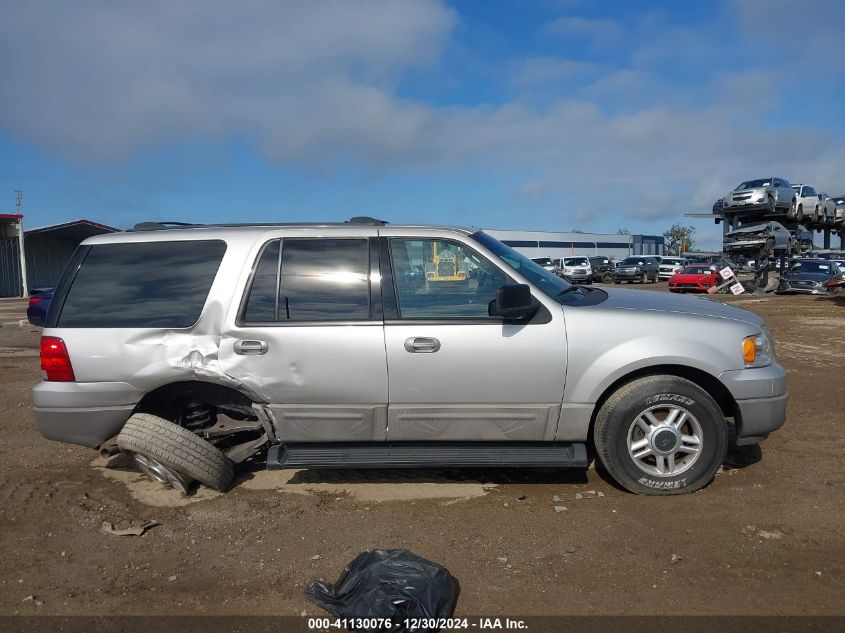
(706, 381)
(167, 401)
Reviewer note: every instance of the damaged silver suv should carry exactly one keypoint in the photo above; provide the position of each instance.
(366, 344)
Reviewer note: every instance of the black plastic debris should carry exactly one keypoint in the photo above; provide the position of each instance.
(388, 584)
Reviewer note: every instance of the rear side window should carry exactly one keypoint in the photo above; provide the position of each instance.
(142, 284)
(310, 280)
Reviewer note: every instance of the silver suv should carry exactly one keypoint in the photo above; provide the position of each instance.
(366, 344)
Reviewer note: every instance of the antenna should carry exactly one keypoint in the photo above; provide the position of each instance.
(19, 200)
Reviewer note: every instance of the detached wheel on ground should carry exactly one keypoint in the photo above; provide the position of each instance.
(661, 435)
(174, 455)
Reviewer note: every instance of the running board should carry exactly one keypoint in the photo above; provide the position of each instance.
(420, 455)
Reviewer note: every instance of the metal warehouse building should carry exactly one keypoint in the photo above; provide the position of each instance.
(557, 245)
(36, 258)
(49, 248)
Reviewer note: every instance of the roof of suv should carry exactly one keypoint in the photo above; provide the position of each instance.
(154, 231)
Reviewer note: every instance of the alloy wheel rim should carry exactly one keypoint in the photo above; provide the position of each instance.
(665, 440)
(161, 473)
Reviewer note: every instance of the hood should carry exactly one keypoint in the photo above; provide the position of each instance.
(681, 304)
(757, 227)
(745, 192)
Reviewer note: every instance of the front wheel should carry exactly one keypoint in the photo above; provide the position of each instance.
(800, 215)
(661, 435)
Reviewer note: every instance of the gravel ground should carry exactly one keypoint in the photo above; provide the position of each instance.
(766, 537)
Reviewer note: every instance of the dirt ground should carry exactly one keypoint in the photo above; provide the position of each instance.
(766, 537)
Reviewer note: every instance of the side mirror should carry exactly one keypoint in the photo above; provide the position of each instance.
(513, 302)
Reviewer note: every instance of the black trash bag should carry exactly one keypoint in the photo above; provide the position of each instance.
(391, 584)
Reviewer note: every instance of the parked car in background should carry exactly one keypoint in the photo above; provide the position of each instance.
(545, 262)
(575, 270)
(758, 237)
(197, 368)
(766, 195)
(39, 303)
(668, 266)
(694, 278)
(643, 269)
(602, 269)
(805, 239)
(827, 209)
(839, 209)
(810, 276)
(807, 203)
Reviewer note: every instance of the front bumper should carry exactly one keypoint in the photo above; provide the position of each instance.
(82, 413)
(739, 206)
(576, 277)
(689, 287)
(785, 287)
(761, 397)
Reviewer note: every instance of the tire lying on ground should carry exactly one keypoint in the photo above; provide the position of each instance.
(176, 448)
(661, 435)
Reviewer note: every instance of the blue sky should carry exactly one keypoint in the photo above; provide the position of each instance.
(551, 114)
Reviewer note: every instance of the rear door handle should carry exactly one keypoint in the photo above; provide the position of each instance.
(422, 345)
(250, 348)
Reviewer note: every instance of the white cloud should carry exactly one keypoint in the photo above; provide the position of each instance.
(543, 70)
(101, 79)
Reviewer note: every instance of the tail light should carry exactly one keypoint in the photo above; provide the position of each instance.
(34, 300)
(55, 361)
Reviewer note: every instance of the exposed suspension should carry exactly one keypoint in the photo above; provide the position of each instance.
(197, 414)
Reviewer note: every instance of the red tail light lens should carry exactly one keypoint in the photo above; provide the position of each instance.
(34, 300)
(55, 361)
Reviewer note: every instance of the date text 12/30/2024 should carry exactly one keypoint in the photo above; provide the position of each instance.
(446, 624)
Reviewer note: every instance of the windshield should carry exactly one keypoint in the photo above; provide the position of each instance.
(543, 261)
(549, 283)
(575, 261)
(839, 199)
(697, 270)
(752, 184)
(634, 261)
(812, 267)
(671, 262)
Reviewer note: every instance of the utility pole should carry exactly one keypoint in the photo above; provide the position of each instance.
(21, 251)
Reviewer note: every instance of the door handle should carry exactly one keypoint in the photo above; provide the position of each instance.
(250, 348)
(422, 345)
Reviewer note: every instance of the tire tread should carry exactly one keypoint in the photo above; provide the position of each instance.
(177, 448)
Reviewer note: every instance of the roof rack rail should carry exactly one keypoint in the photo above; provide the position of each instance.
(360, 220)
(366, 220)
(160, 226)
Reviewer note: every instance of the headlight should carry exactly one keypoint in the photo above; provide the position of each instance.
(758, 350)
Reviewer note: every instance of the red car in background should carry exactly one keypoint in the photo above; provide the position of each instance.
(694, 278)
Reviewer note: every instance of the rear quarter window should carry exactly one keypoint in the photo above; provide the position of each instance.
(138, 285)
